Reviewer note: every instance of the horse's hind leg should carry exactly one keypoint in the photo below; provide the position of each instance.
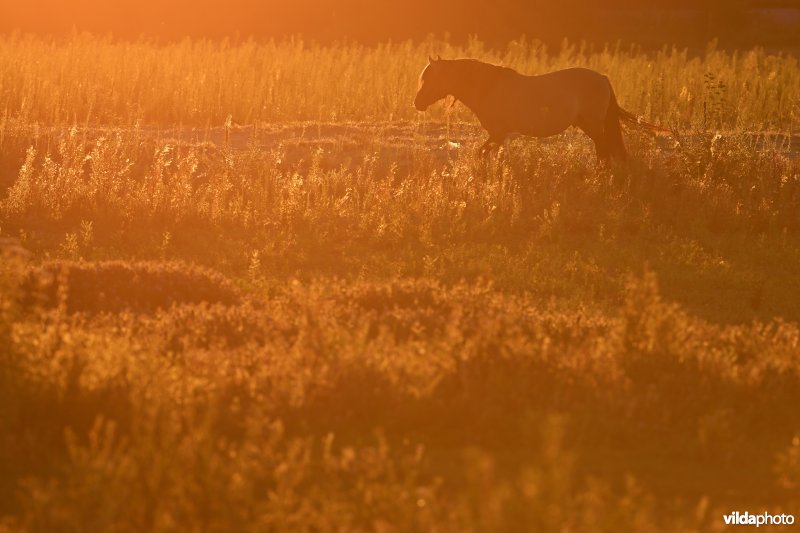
(597, 133)
(616, 144)
(602, 148)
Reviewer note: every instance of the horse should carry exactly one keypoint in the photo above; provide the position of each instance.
(507, 102)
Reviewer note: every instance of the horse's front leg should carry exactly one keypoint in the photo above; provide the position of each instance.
(492, 142)
(486, 147)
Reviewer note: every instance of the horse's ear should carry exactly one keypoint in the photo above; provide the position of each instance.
(431, 59)
(438, 57)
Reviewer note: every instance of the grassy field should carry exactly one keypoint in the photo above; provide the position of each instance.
(245, 286)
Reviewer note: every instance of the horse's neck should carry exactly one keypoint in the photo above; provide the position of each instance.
(471, 83)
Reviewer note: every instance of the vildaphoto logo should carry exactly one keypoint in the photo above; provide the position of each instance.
(764, 519)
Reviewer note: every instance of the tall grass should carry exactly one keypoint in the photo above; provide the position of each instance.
(146, 187)
(85, 79)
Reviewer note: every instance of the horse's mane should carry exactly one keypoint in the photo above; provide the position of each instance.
(482, 67)
(473, 77)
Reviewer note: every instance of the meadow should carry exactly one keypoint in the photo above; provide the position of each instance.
(246, 286)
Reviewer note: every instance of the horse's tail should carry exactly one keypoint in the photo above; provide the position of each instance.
(639, 122)
(613, 133)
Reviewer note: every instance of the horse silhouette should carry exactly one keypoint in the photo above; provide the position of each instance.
(507, 102)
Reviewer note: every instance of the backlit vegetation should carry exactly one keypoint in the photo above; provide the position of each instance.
(201, 83)
(337, 317)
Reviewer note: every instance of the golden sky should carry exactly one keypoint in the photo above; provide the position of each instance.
(372, 20)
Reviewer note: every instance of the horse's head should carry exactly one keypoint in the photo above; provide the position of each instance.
(432, 84)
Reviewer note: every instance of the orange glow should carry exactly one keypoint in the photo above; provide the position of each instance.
(323, 19)
(379, 20)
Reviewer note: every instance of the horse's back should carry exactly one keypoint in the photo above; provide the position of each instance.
(581, 92)
(573, 81)
(546, 104)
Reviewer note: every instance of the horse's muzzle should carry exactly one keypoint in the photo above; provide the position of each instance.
(419, 106)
